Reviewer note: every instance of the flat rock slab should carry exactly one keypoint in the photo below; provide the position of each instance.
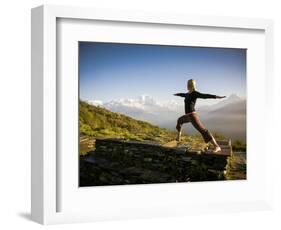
(226, 149)
(223, 152)
(171, 144)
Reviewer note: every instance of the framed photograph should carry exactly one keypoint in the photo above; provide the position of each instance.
(141, 114)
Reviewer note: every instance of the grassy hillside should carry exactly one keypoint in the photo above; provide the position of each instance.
(99, 122)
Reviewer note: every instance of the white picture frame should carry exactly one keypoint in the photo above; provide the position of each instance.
(46, 164)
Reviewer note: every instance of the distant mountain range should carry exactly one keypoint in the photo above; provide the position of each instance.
(227, 116)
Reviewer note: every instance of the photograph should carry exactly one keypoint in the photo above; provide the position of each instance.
(154, 113)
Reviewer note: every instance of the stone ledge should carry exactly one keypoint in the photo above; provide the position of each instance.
(117, 161)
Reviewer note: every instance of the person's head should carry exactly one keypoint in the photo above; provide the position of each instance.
(191, 84)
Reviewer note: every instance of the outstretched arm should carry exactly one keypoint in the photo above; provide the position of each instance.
(220, 97)
(180, 94)
(206, 96)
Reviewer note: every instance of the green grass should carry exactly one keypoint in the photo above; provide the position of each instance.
(236, 167)
(239, 146)
(99, 122)
(96, 122)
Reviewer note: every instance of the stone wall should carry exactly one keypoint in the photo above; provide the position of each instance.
(117, 161)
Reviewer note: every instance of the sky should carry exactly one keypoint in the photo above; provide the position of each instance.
(112, 71)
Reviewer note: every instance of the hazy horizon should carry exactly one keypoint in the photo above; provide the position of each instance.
(227, 116)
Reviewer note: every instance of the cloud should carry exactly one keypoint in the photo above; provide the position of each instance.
(143, 103)
(95, 102)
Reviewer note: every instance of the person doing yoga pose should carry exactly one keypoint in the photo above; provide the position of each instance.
(191, 116)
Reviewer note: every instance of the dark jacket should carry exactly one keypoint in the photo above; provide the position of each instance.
(190, 99)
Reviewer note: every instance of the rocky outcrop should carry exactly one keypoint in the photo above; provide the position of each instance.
(117, 161)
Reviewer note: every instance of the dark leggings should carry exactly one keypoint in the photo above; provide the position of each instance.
(195, 121)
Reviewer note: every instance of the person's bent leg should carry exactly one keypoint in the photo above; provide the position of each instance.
(178, 127)
(183, 119)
